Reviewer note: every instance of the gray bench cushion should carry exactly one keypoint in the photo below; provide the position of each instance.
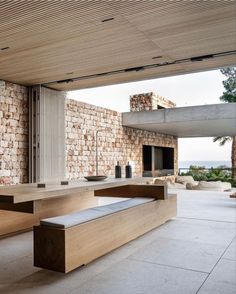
(76, 218)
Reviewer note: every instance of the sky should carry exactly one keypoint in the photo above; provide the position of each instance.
(185, 90)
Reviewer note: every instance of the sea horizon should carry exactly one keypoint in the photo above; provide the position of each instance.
(206, 163)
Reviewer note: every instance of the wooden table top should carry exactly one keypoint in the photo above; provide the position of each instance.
(30, 192)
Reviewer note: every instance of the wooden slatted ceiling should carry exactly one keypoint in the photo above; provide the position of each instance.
(146, 74)
(49, 39)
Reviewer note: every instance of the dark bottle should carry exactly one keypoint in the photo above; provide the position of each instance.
(118, 170)
(128, 171)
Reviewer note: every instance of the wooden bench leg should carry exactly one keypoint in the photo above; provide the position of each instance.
(49, 248)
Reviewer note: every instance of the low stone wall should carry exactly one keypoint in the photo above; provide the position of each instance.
(13, 133)
(117, 144)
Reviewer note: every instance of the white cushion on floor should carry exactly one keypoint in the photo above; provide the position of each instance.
(212, 186)
(76, 218)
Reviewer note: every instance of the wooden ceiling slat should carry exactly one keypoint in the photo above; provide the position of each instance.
(48, 39)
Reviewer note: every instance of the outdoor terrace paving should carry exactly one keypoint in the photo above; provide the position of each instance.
(194, 253)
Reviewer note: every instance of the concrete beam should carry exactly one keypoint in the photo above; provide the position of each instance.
(186, 122)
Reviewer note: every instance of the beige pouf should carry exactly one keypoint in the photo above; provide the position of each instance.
(211, 186)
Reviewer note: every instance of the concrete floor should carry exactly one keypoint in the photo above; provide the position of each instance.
(194, 253)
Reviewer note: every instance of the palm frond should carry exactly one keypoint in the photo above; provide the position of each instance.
(217, 139)
(222, 140)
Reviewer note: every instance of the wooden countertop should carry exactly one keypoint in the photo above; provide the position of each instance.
(30, 192)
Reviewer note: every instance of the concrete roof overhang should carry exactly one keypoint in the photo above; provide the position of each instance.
(94, 43)
(186, 122)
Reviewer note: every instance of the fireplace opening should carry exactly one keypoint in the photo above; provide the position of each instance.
(158, 161)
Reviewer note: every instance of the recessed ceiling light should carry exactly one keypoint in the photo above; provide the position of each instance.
(108, 19)
(4, 48)
(156, 57)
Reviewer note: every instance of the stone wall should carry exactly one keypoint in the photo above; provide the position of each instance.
(13, 133)
(233, 158)
(81, 123)
(115, 144)
(149, 101)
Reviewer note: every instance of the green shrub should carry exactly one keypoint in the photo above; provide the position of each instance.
(200, 173)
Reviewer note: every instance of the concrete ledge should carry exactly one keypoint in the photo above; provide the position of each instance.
(193, 121)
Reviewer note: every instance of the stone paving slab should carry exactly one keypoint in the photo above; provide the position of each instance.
(183, 254)
(222, 280)
(130, 276)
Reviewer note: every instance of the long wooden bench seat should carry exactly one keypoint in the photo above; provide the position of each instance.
(66, 242)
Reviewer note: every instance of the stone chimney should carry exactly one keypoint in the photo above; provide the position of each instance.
(149, 101)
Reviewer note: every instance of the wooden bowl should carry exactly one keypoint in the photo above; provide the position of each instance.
(95, 178)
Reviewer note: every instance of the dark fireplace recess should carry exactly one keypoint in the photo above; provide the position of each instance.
(158, 161)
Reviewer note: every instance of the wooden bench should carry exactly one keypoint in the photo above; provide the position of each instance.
(66, 242)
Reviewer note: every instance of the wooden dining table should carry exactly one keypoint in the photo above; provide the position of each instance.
(23, 205)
